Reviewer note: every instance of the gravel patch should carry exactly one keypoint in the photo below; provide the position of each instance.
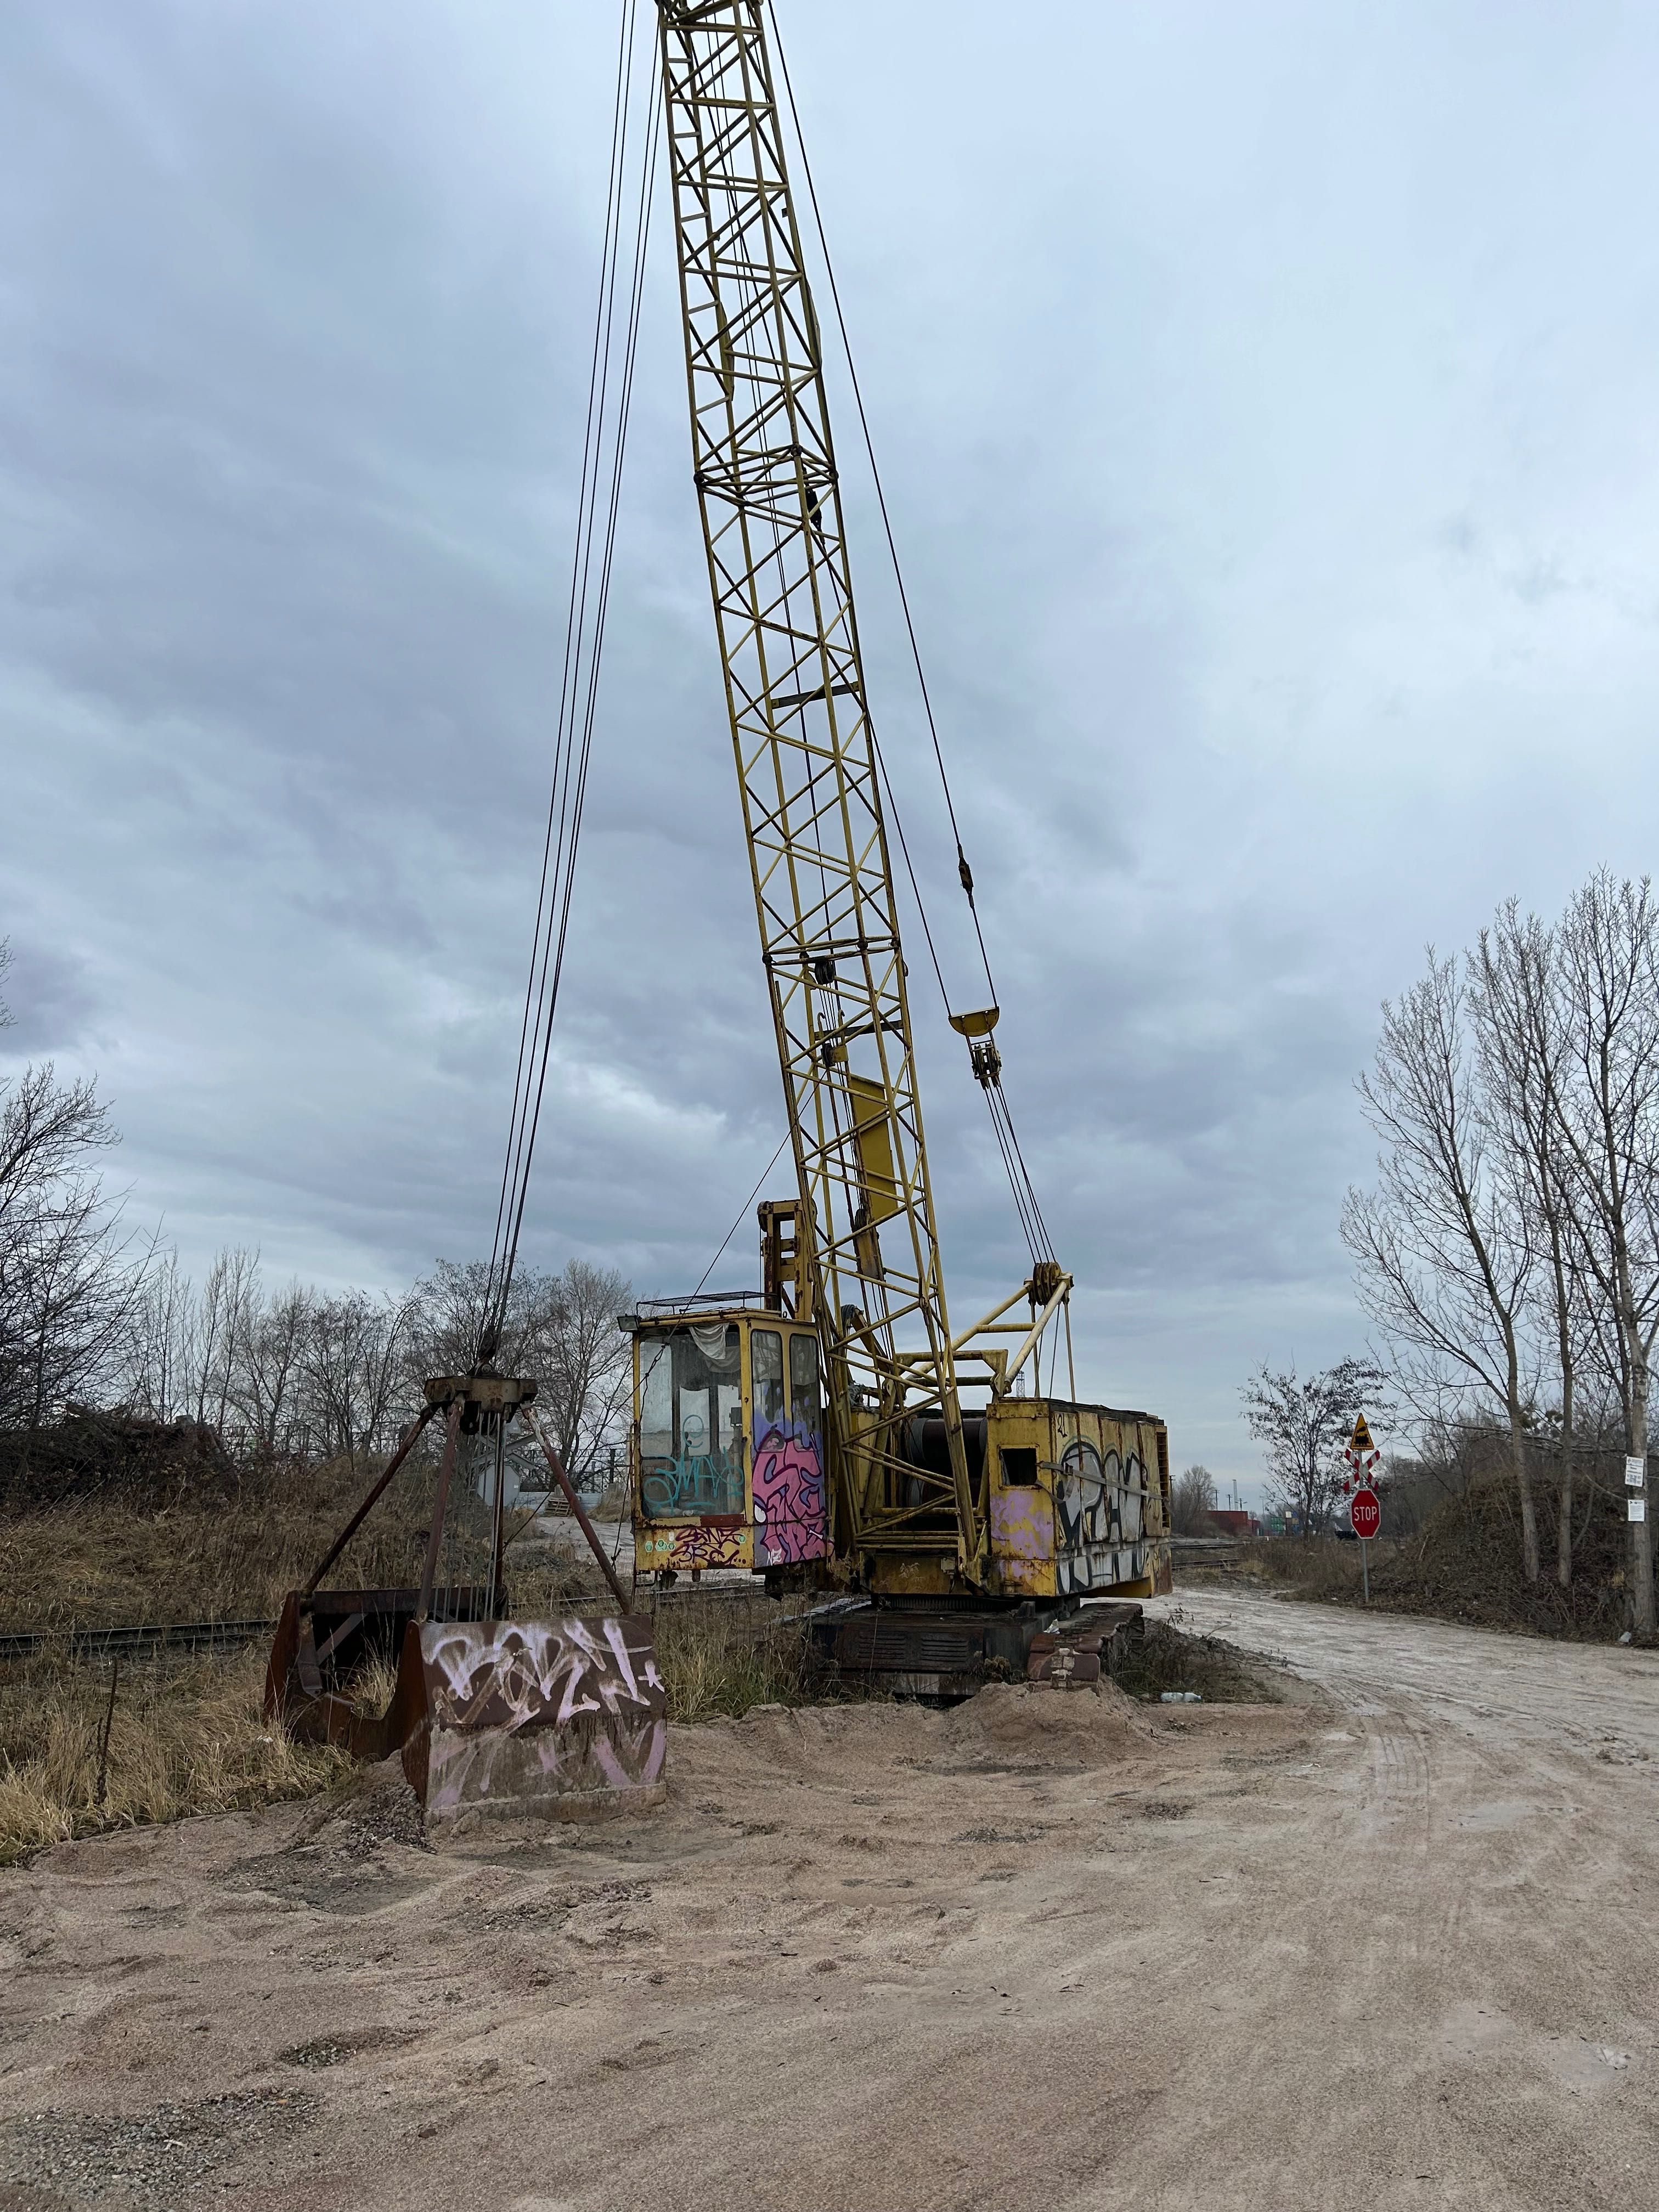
(152, 2161)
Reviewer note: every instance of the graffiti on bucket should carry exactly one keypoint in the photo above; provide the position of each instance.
(521, 1710)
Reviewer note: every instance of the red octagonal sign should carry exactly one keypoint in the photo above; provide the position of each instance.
(1366, 1511)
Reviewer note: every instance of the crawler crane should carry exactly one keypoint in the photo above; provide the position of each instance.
(833, 1429)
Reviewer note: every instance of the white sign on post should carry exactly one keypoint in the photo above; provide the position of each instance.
(1636, 1509)
(1636, 1474)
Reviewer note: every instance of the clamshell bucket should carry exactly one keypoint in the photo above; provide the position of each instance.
(494, 1718)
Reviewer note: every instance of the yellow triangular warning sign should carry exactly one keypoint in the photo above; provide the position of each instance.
(1360, 1441)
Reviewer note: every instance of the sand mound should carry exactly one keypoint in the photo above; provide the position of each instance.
(1007, 1723)
(1095, 1727)
(800, 1741)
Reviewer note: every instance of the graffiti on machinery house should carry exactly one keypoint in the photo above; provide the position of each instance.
(791, 1521)
(1022, 1526)
(1097, 1513)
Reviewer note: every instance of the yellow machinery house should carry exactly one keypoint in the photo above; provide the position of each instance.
(1079, 1500)
(732, 1467)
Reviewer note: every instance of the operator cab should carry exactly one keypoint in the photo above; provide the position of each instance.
(729, 1463)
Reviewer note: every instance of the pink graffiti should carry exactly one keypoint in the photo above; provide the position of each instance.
(791, 1515)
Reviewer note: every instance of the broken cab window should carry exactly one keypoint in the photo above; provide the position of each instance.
(690, 1422)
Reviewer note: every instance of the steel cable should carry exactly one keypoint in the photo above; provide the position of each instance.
(1019, 1178)
(610, 381)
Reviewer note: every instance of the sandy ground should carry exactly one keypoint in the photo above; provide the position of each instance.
(1388, 1944)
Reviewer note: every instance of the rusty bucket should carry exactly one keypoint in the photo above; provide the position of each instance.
(494, 1718)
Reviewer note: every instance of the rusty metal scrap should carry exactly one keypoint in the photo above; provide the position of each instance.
(561, 1719)
(1077, 1653)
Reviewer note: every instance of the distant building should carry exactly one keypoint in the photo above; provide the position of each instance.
(1231, 1523)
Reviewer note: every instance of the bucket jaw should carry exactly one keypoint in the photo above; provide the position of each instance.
(532, 1720)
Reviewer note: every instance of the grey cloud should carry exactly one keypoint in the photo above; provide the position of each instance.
(49, 998)
(1175, 395)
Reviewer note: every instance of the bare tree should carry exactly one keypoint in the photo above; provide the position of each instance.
(1304, 1426)
(221, 1319)
(588, 1375)
(1443, 1245)
(1609, 1127)
(561, 1328)
(293, 1371)
(153, 1369)
(447, 1313)
(70, 1277)
(1192, 1501)
(354, 1370)
(1518, 1005)
(269, 1369)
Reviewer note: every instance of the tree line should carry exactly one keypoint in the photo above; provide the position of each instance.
(285, 1372)
(93, 1312)
(1507, 1252)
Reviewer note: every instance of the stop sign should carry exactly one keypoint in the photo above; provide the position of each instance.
(1366, 1511)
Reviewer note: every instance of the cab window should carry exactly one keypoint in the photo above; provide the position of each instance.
(690, 1421)
(805, 1404)
(766, 1372)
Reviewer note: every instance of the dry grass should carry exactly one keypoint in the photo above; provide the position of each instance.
(719, 1656)
(187, 1734)
(107, 1563)
(186, 1737)
(1165, 1658)
(1318, 1566)
(1464, 1565)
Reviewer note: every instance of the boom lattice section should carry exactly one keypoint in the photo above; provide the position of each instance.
(766, 481)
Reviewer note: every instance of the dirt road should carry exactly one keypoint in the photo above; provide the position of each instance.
(1390, 1944)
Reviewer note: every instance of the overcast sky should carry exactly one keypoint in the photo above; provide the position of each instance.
(1266, 399)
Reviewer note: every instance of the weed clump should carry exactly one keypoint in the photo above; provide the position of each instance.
(185, 1736)
(1163, 1658)
(719, 1656)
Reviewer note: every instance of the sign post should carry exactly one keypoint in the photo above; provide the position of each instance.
(1364, 1507)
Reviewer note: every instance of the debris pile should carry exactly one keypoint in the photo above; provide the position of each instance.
(113, 1455)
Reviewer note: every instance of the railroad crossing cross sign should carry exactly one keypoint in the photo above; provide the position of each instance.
(1366, 1511)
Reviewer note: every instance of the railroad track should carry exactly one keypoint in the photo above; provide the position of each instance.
(141, 1640)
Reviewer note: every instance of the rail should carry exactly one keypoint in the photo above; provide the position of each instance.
(136, 1640)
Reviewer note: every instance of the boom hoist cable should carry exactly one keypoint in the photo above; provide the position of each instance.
(975, 1028)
